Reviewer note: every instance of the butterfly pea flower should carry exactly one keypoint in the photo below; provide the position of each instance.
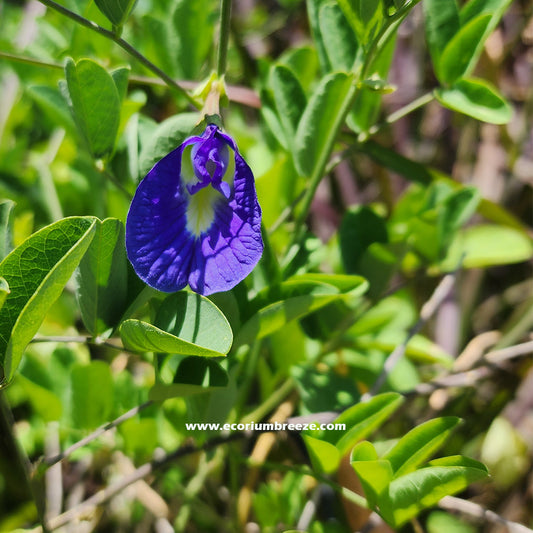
(195, 218)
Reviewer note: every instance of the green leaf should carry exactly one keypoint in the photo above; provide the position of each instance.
(360, 227)
(194, 375)
(102, 278)
(167, 137)
(439, 521)
(303, 62)
(365, 17)
(367, 105)
(294, 299)
(187, 323)
(362, 419)
(313, 12)
(456, 59)
(476, 98)
(6, 212)
(4, 291)
(120, 78)
(442, 23)
(192, 26)
(325, 458)
(488, 245)
(318, 123)
(36, 272)
(420, 444)
(117, 11)
(91, 394)
(418, 490)
(476, 8)
(338, 37)
(289, 98)
(95, 104)
(375, 474)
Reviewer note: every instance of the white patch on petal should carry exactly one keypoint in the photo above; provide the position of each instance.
(201, 210)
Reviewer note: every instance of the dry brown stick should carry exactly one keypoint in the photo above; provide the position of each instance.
(474, 510)
(104, 495)
(427, 311)
(259, 454)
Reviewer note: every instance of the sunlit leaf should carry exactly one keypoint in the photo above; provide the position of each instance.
(36, 272)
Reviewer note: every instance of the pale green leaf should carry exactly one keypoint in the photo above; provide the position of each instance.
(476, 98)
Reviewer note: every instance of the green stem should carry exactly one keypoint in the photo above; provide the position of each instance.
(225, 27)
(29, 61)
(270, 403)
(124, 45)
(421, 101)
(319, 170)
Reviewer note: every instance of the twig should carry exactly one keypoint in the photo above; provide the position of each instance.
(124, 45)
(95, 434)
(474, 510)
(499, 356)
(146, 469)
(53, 476)
(259, 454)
(427, 311)
(236, 93)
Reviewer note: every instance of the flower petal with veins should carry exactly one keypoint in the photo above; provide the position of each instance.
(201, 227)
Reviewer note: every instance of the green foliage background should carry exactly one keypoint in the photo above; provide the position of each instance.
(391, 145)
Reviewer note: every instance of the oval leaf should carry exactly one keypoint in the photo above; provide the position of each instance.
(488, 245)
(289, 97)
(409, 494)
(362, 419)
(188, 323)
(456, 59)
(102, 278)
(476, 98)
(294, 299)
(319, 122)
(36, 272)
(95, 103)
(420, 444)
(117, 11)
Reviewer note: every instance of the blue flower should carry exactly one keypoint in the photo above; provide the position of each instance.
(195, 218)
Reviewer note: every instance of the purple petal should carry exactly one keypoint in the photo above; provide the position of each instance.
(163, 249)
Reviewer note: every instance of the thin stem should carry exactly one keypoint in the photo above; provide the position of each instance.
(271, 402)
(124, 45)
(319, 170)
(143, 471)
(236, 93)
(225, 27)
(397, 115)
(95, 434)
(427, 311)
(30, 61)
